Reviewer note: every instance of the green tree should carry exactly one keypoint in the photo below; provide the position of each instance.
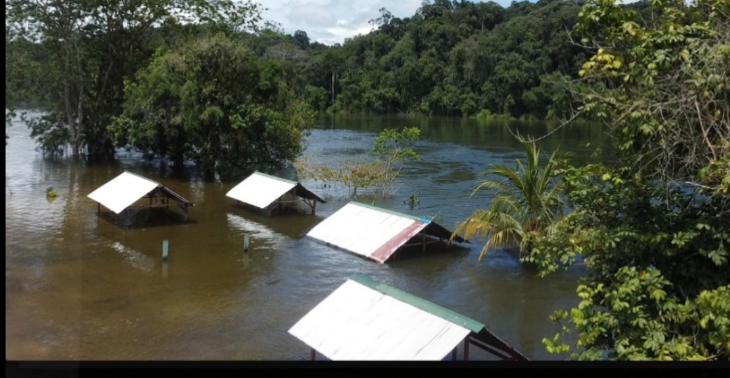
(92, 46)
(393, 149)
(526, 201)
(185, 106)
(652, 228)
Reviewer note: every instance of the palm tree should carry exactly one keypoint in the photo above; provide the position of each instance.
(527, 200)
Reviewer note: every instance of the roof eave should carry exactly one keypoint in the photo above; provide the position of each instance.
(430, 307)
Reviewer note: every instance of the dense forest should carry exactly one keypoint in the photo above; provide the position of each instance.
(457, 58)
(229, 94)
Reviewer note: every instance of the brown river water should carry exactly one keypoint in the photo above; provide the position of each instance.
(79, 287)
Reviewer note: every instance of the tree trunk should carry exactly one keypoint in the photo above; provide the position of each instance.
(333, 87)
(73, 129)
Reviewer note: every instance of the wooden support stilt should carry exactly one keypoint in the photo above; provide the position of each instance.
(313, 354)
(98, 208)
(453, 355)
(314, 207)
(424, 244)
(466, 348)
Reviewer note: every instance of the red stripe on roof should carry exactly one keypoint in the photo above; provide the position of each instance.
(386, 250)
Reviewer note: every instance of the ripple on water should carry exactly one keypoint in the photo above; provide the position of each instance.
(81, 286)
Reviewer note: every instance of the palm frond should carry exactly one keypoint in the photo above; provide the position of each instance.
(526, 200)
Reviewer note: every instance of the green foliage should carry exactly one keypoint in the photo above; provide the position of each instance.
(392, 149)
(184, 105)
(316, 98)
(51, 193)
(455, 59)
(639, 320)
(412, 200)
(526, 200)
(82, 51)
(353, 174)
(621, 230)
(655, 252)
(665, 86)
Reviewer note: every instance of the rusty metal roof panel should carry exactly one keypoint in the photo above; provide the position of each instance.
(367, 231)
(360, 322)
(123, 191)
(260, 189)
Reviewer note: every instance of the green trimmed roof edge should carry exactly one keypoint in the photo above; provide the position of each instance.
(420, 303)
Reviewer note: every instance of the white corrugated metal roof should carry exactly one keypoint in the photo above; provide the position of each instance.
(367, 231)
(260, 190)
(357, 322)
(122, 191)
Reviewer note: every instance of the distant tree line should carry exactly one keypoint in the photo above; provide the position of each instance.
(457, 58)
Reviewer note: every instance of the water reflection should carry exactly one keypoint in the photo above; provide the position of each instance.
(260, 234)
(134, 258)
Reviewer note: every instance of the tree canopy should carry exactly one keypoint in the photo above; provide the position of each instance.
(654, 228)
(214, 102)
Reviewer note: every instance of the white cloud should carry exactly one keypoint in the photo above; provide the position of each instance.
(331, 21)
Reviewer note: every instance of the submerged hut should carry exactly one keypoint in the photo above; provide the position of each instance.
(119, 194)
(366, 320)
(377, 233)
(268, 192)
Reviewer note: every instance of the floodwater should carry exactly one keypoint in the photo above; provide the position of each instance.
(79, 287)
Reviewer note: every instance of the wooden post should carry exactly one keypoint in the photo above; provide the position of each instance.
(314, 208)
(245, 242)
(129, 219)
(165, 245)
(424, 242)
(98, 208)
(466, 348)
(453, 355)
(313, 354)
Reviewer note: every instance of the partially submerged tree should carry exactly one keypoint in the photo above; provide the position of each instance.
(214, 102)
(392, 148)
(526, 201)
(92, 47)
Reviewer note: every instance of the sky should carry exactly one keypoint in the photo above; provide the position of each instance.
(331, 21)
